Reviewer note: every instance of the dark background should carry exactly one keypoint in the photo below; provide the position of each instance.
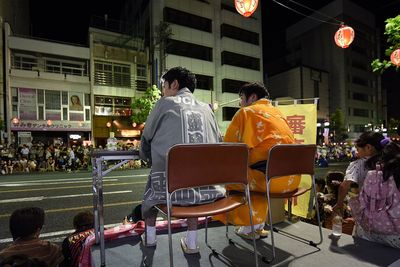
(68, 21)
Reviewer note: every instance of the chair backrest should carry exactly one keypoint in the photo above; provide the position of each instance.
(194, 165)
(291, 159)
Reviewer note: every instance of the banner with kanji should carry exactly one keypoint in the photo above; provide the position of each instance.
(302, 119)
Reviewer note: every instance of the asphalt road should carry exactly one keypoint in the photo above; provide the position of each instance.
(62, 195)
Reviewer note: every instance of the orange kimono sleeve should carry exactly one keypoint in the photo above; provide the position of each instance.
(234, 132)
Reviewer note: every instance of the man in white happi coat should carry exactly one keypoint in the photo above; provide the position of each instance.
(176, 118)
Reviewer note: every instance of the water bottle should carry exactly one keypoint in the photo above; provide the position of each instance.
(337, 225)
(112, 142)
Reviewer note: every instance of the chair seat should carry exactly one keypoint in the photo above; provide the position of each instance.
(219, 206)
(299, 191)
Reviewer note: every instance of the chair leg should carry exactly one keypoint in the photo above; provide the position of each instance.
(299, 238)
(271, 226)
(318, 216)
(290, 209)
(171, 256)
(252, 226)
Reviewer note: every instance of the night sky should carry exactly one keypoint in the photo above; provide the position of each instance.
(69, 22)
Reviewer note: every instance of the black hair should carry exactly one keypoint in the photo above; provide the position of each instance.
(333, 180)
(374, 139)
(26, 221)
(321, 182)
(391, 162)
(83, 220)
(184, 77)
(254, 88)
(20, 260)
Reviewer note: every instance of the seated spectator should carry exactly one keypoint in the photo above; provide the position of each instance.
(25, 227)
(23, 164)
(10, 166)
(51, 164)
(32, 165)
(22, 261)
(73, 244)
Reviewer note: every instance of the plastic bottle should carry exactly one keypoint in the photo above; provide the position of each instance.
(112, 142)
(337, 225)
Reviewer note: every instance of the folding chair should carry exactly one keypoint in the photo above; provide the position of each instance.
(285, 160)
(195, 165)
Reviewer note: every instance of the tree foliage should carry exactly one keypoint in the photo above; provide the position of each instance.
(337, 125)
(392, 31)
(142, 106)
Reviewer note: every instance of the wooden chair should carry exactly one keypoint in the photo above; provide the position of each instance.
(195, 165)
(291, 159)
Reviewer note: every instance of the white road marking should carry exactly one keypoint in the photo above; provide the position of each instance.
(58, 182)
(40, 198)
(68, 180)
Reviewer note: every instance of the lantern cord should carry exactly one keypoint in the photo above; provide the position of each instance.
(316, 11)
(310, 17)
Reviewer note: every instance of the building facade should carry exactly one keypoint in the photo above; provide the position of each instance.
(209, 37)
(47, 90)
(352, 86)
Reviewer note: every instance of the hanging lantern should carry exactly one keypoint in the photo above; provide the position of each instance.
(15, 120)
(344, 36)
(49, 122)
(395, 57)
(246, 7)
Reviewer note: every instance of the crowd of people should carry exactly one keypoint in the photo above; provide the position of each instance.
(178, 117)
(37, 157)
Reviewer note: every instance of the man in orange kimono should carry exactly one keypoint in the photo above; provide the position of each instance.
(261, 126)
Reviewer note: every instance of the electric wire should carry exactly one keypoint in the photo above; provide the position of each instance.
(302, 14)
(316, 11)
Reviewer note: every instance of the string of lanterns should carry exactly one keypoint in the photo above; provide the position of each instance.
(344, 36)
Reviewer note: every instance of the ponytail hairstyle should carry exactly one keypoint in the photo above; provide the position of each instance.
(391, 161)
(374, 139)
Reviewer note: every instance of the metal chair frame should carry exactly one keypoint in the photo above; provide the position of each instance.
(210, 154)
(285, 160)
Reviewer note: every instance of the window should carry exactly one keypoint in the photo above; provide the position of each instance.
(24, 62)
(64, 98)
(360, 97)
(185, 49)
(66, 67)
(141, 85)
(53, 100)
(40, 96)
(360, 81)
(141, 70)
(87, 114)
(239, 34)
(359, 65)
(187, 19)
(87, 99)
(239, 60)
(316, 89)
(361, 112)
(231, 86)
(204, 82)
(112, 74)
(228, 113)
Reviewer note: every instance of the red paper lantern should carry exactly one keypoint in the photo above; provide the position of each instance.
(246, 7)
(344, 36)
(395, 57)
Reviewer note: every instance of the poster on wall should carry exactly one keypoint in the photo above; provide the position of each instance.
(27, 104)
(75, 101)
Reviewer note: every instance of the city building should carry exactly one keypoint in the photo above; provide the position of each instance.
(352, 87)
(47, 90)
(209, 37)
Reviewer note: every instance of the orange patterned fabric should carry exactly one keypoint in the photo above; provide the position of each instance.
(260, 126)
